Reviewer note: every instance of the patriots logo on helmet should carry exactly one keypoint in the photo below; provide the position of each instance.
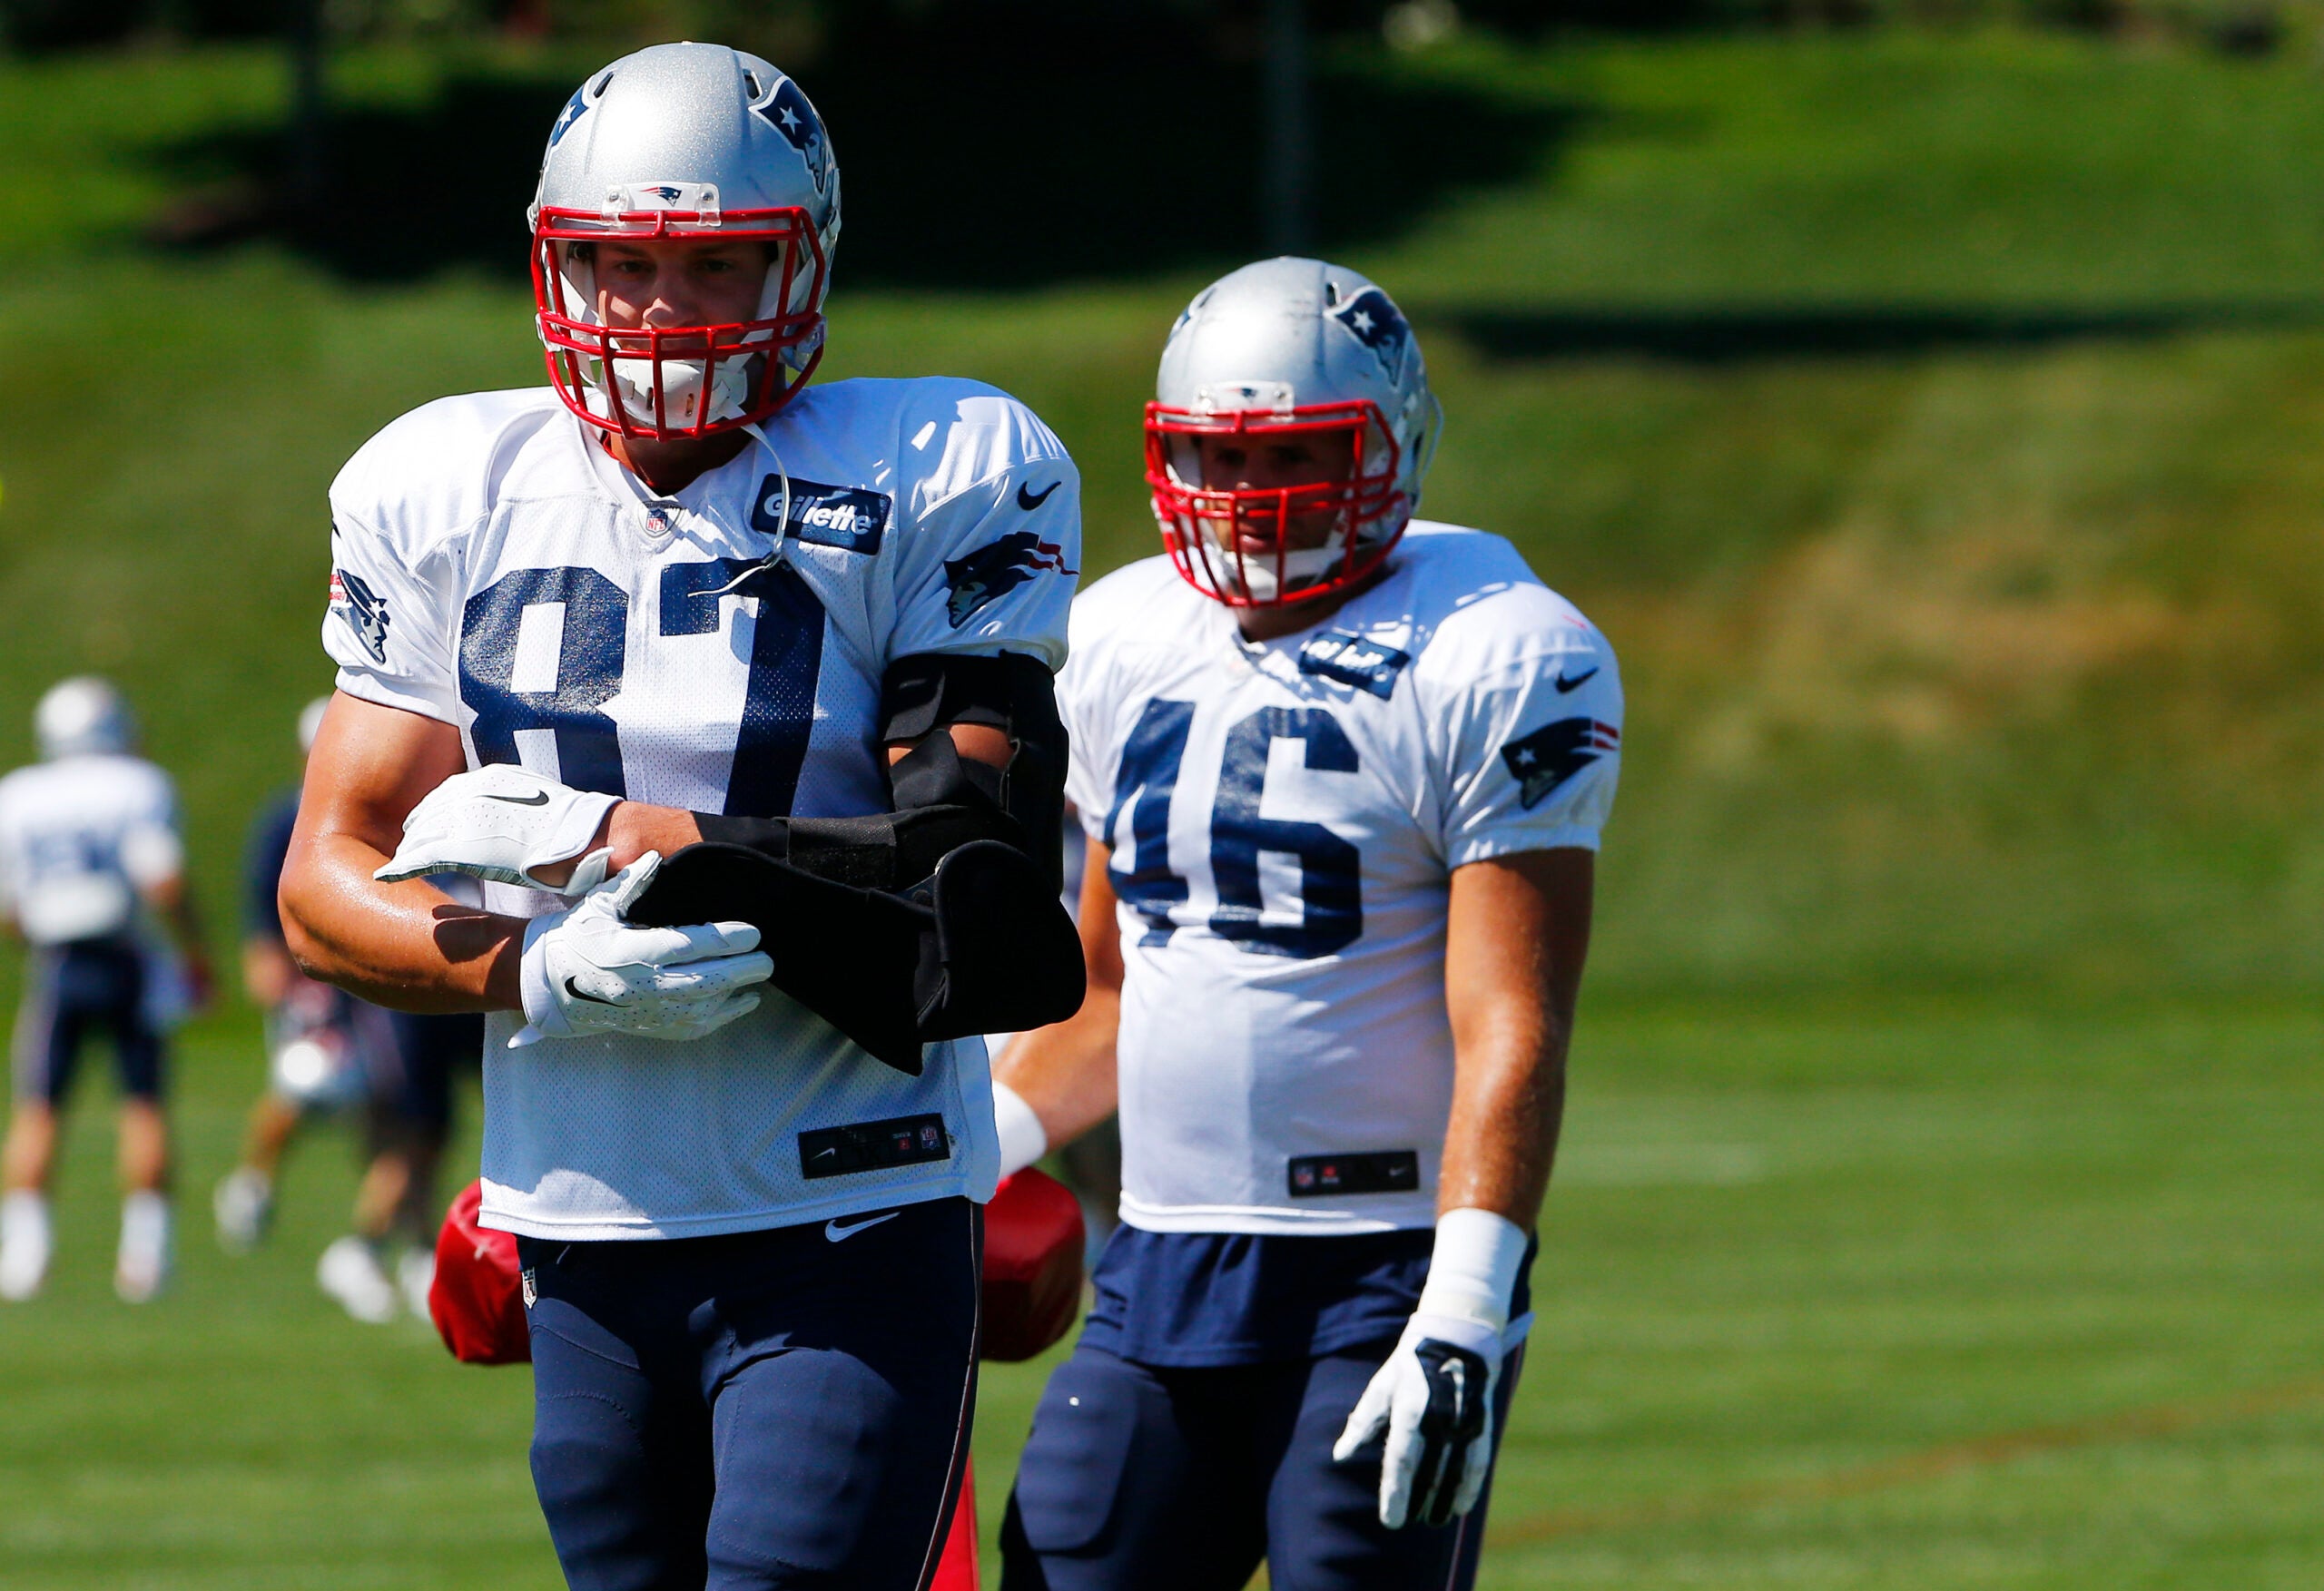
(1374, 319)
(574, 109)
(1549, 756)
(365, 611)
(666, 193)
(992, 571)
(788, 110)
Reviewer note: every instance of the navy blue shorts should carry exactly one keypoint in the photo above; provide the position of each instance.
(72, 991)
(1143, 1477)
(1190, 1434)
(785, 1409)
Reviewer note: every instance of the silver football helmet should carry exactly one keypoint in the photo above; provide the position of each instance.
(83, 716)
(684, 140)
(1305, 361)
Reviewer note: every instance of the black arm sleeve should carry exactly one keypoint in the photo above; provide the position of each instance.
(935, 921)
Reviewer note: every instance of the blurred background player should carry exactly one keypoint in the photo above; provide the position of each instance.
(328, 1052)
(92, 876)
(1343, 775)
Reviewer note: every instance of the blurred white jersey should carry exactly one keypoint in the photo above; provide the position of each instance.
(495, 569)
(1285, 818)
(80, 838)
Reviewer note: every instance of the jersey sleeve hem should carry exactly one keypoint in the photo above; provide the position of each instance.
(1485, 848)
(369, 687)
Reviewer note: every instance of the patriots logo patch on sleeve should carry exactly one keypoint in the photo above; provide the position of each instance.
(365, 611)
(1350, 659)
(992, 571)
(1551, 755)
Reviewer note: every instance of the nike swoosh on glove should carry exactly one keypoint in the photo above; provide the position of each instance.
(501, 822)
(1433, 1397)
(586, 970)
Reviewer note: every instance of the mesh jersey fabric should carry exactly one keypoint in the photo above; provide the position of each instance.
(494, 570)
(1285, 818)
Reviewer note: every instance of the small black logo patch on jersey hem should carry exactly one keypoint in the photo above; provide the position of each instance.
(1388, 1171)
(874, 1146)
(1551, 755)
(1338, 655)
(854, 519)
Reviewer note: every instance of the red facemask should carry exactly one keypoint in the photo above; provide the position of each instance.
(1232, 542)
(671, 381)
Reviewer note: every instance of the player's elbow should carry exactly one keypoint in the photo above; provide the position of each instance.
(299, 898)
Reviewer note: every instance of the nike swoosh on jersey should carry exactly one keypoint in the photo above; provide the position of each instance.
(837, 1234)
(1028, 501)
(540, 798)
(1575, 684)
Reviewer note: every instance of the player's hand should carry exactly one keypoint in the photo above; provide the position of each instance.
(503, 824)
(585, 971)
(1435, 1398)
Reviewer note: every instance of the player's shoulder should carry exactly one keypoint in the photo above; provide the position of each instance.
(944, 432)
(1481, 607)
(436, 470)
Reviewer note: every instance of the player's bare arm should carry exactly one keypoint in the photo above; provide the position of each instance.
(1516, 934)
(1064, 1073)
(406, 945)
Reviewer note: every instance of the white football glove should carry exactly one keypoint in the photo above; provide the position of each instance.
(1435, 1398)
(585, 971)
(501, 822)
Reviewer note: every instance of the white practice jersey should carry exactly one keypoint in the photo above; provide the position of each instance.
(80, 838)
(1285, 818)
(494, 568)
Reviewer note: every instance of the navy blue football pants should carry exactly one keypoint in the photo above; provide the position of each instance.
(1138, 1477)
(772, 1409)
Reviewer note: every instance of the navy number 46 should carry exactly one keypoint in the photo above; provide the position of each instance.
(1330, 888)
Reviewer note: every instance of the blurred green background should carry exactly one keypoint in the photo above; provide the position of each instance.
(1928, 399)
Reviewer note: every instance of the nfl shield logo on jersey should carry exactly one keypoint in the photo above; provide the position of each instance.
(1549, 756)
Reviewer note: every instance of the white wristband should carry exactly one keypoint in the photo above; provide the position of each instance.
(1472, 1270)
(1023, 1139)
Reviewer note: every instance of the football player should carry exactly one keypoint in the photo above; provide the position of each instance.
(677, 596)
(90, 863)
(1342, 774)
(329, 1051)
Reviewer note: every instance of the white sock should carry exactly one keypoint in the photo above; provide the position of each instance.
(25, 1242)
(146, 1229)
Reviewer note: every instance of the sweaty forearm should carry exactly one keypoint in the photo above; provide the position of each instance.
(1508, 1105)
(406, 945)
(1067, 1071)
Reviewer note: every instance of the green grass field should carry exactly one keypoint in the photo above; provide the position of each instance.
(1936, 423)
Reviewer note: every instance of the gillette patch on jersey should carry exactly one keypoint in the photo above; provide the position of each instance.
(850, 518)
(1335, 655)
(1390, 1170)
(872, 1146)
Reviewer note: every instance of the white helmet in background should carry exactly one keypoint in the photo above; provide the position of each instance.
(83, 716)
(1289, 347)
(310, 722)
(684, 142)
